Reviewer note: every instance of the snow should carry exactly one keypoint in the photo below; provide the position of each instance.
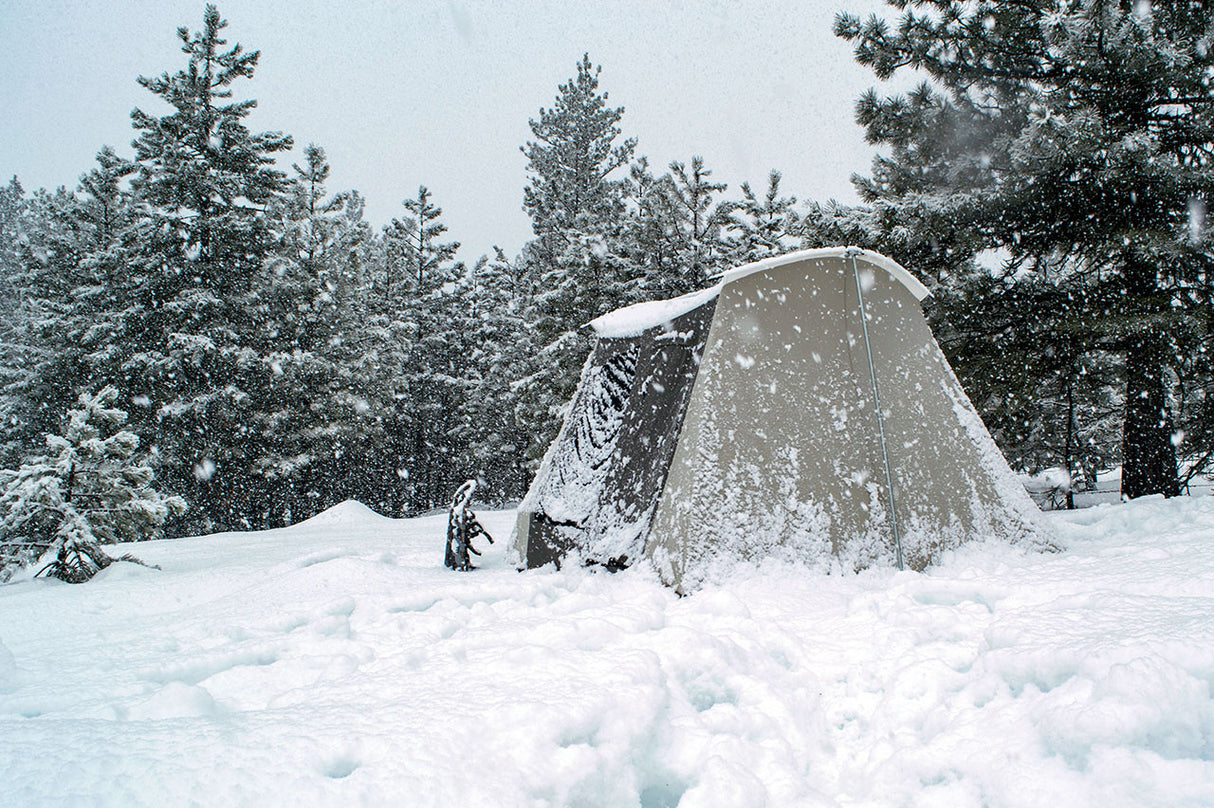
(634, 320)
(337, 662)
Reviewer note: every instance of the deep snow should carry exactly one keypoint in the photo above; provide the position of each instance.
(338, 663)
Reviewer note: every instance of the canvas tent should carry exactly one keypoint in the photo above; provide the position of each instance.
(742, 421)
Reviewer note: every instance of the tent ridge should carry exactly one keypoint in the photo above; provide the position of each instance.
(891, 266)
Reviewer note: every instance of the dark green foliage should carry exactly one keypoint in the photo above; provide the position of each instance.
(197, 345)
(434, 375)
(502, 345)
(763, 227)
(677, 228)
(1075, 138)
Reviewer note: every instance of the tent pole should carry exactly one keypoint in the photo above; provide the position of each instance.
(872, 374)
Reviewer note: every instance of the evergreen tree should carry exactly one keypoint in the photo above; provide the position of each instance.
(302, 412)
(677, 228)
(198, 345)
(14, 371)
(762, 228)
(1076, 137)
(67, 268)
(501, 349)
(91, 488)
(577, 259)
(429, 383)
(435, 375)
(345, 439)
(571, 158)
(833, 224)
(1048, 397)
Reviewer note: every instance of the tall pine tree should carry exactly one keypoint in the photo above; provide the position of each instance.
(197, 343)
(577, 259)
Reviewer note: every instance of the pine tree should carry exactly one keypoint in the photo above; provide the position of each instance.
(14, 369)
(198, 346)
(92, 488)
(762, 228)
(64, 282)
(427, 370)
(1048, 396)
(437, 370)
(501, 348)
(577, 259)
(344, 442)
(677, 224)
(1077, 138)
(302, 412)
(571, 158)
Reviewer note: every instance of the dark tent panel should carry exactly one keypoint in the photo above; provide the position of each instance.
(604, 473)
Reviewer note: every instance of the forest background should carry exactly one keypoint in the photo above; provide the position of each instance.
(275, 354)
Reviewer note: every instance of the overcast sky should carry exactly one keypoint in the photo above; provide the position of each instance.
(438, 92)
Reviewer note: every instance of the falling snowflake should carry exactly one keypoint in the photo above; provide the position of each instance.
(1197, 217)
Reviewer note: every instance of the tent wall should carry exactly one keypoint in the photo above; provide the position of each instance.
(780, 451)
(601, 479)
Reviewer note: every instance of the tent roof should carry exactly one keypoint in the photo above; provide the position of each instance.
(876, 259)
(633, 320)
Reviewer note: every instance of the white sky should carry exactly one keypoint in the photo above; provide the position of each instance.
(438, 92)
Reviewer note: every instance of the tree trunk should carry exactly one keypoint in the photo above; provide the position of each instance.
(1148, 455)
(1069, 451)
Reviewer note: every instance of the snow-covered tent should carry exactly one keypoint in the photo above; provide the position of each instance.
(767, 416)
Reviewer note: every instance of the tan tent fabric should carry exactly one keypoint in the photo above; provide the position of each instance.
(780, 452)
(777, 446)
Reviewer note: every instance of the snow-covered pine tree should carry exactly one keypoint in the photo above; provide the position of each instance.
(501, 349)
(703, 220)
(66, 283)
(435, 368)
(576, 259)
(341, 451)
(14, 371)
(13, 207)
(832, 224)
(197, 345)
(763, 227)
(91, 488)
(302, 409)
(1049, 398)
(676, 227)
(1077, 138)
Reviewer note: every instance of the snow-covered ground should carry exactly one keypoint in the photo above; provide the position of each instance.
(338, 663)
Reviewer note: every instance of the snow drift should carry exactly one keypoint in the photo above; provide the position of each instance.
(338, 663)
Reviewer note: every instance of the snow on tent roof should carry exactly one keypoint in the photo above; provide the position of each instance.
(634, 320)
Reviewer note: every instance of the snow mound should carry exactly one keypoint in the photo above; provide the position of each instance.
(350, 512)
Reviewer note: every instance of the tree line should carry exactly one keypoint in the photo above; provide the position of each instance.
(277, 354)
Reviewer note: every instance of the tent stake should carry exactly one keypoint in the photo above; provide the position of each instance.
(872, 374)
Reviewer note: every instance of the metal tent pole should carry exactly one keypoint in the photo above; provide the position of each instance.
(872, 374)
